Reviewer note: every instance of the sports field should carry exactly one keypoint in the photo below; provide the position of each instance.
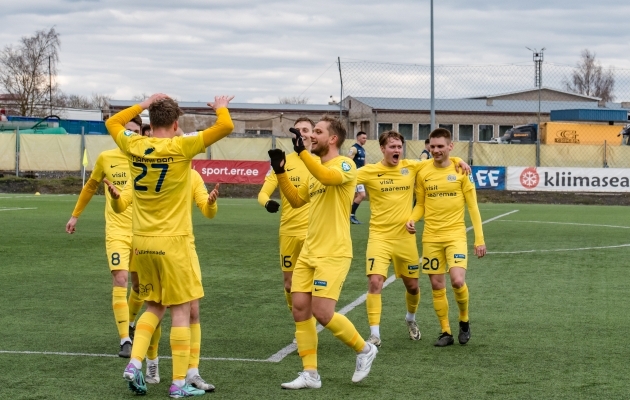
(549, 310)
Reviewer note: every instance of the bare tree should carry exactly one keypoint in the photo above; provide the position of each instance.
(100, 101)
(293, 100)
(25, 68)
(590, 79)
(140, 97)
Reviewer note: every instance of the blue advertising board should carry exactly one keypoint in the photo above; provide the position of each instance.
(492, 178)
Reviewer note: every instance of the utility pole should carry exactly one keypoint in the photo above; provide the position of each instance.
(49, 87)
(538, 57)
(432, 75)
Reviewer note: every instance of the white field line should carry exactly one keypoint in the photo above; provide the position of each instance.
(32, 195)
(360, 300)
(279, 356)
(60, 353)
(18, 208)
(567, 223)
(554, 250)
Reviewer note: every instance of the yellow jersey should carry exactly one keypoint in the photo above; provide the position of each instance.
(293, 221)
(160, 169)
(329, 214)
(113, 165)
(443, 192)
(391, 192)
(199, 196)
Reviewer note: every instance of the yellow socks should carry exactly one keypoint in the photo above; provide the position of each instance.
(152, 352)
(121, 311)
(306, 335)
(461, 296)
(287, 295)
(147, 324)
(180, 346)
(374, 307)
(195, 345)
(342, 328)
(440, 304)
(135, 304)
(412, 300)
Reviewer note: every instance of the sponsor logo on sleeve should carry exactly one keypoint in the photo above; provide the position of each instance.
(345, 166)
(412, 267)
(460, 256)
(127, 132)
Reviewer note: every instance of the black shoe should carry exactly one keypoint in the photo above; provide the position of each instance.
(464, 332)
(445, 339)
(125, 350)
(354, 220)
(132, 332)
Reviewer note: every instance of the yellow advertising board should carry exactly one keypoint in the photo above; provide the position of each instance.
(573, 133)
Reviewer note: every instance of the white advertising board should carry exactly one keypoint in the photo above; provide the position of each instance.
(568, 179)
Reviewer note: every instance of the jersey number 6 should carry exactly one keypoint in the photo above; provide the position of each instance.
(145, 171)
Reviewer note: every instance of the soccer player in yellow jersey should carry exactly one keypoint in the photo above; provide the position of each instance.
(390, 184)
(162, 225)
(441, 195)
(293, 221)
(327, 253)
(113, 165)
(207, 204)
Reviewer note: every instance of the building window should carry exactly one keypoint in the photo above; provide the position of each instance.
(465, 133)
(251, 131)
(423, 131)
(265, 132)
(486, 132)
(504, 128)
(448, 127)
(406, 130)
(384, 128)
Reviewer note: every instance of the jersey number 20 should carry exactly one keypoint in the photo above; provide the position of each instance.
(145, 171)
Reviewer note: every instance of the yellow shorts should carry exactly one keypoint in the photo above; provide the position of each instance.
(321, 276)
(118, 250)
(290, 247)
(168, 269)
(437, 258)
(403, 253)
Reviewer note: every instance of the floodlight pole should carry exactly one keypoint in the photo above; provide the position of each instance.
(432, 75)
(538, 57)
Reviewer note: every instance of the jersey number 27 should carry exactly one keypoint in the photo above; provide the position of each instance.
(145, 171)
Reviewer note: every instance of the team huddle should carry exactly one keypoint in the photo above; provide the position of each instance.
(148, 213)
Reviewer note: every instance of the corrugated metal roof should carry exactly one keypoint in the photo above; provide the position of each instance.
(481, 106)
(244, 106)
(492, 96)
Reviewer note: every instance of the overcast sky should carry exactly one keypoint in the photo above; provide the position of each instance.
(262, 50)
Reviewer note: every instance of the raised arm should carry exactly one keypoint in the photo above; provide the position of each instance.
(327, 176)
(223, 126)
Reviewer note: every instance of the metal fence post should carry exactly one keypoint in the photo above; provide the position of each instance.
(273, 142)
(538, 149)
(470, 152)
(17, 152)
(605, 154)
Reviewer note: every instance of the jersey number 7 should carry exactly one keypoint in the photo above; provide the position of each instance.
(145, 171)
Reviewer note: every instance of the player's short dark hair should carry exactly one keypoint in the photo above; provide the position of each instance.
(145, 128)
(385, 136)
(304, 119)
(137, 120)
(336, 128)
(164, 113)
(361, 133)
(427, 140)
(440, 132)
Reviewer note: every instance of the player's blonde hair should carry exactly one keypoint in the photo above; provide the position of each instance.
(164, 113)
(336, 128)
(385, 136)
